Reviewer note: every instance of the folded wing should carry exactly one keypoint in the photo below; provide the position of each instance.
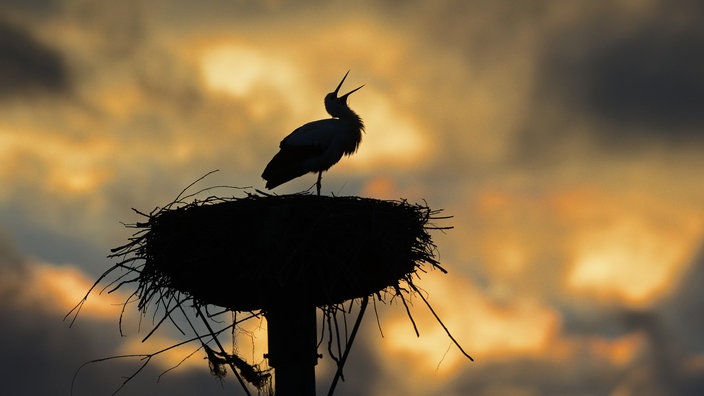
(289, 163)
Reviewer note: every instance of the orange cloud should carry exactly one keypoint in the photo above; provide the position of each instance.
(620, 245)
(393, 138)
(57, 289)
(381, 188)
(486, 329)
(69, 167)
(629, 248)
(249, 343)
(282, 74)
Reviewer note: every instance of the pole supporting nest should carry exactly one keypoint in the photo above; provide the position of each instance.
(292, 337)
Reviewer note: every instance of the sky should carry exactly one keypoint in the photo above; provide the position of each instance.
(563, 137)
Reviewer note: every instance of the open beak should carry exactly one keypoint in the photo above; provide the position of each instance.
(343, 98)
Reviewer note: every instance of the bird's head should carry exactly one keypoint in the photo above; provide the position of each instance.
(333, 102)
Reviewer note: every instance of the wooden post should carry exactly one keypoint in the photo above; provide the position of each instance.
(293, 353)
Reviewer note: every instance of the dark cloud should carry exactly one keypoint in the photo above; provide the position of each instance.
(28, 65)
(362, 370)
(10, 260)
(55, 246)
(604, 85)
(30, 6)
(684, 307)
(41, 354)
(649, 80)
(667, 354)
(652, 80)
(640, 83)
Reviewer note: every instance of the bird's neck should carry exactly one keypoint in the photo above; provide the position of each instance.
(351, 117)
(344, 113)
(354, 132)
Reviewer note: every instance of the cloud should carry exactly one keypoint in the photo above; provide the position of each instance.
(650, 80)
(37, 342)
(32, 6)
(647, 240)
(571, 178)
(534, 85)
(682, 304)
(617, 79)
(28, 65)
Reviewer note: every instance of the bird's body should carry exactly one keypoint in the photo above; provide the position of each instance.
(317, 145)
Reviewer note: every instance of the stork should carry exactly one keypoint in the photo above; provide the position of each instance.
(318, 145)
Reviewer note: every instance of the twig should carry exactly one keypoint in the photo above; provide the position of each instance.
(408, 311)
(440, 321)
(376, 314)
(338, 374)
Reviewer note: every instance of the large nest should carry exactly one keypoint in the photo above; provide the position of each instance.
(259, 251)
(265, 254)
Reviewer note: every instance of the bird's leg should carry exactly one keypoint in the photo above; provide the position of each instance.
(318, 184)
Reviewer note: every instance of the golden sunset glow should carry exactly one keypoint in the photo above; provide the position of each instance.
(397, 142)
(636, 257)
(563, 139)
(59, 289)
(625, 264)
(489, 329)
(239, 71)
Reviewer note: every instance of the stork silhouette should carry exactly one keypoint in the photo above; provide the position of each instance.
(317, 145)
